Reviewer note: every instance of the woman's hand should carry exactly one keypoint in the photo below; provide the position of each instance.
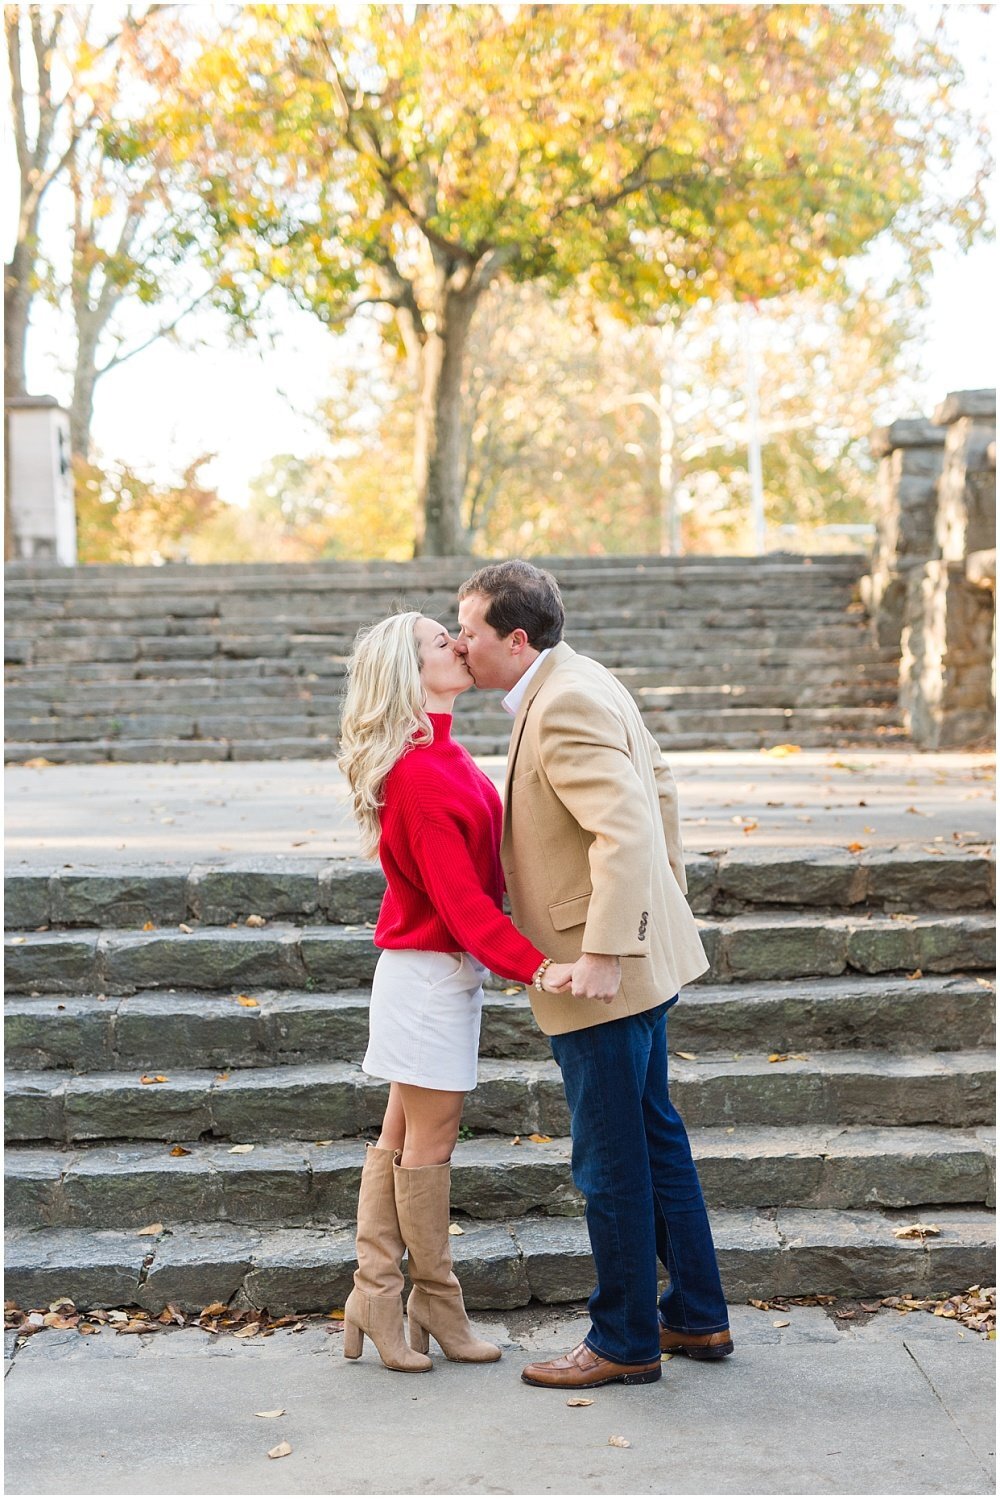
(557, 978)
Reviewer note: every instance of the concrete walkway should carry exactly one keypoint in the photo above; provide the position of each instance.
(126, 815)
(900, 1405)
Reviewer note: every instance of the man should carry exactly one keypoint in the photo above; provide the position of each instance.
(594, 868)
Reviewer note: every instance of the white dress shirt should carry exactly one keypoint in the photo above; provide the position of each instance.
(512, 701)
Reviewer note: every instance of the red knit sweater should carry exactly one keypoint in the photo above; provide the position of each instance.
(440, 850)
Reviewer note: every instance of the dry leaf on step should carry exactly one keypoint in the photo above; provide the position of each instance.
(247, 1002)
(214, 1309)
(270, 1415)
(454, 1229)
(689, 1056)
(180, 1150)
(282, 1450)
(917, 973)
(539, 1139)
(256, 921)
(619, 1442)
(183, 927)
(916, 1231)
(855, 848)
(153, 1077)
(240, 1149)
(249, 1331)
(150, 1229)
(781, 1324)
(579, 1400)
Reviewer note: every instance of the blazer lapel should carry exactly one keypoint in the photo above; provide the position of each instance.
(559, 653)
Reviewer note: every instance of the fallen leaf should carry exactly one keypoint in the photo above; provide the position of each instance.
(270, 1415)
(985, 983)
(249, 1331)
(17, 941)
(182, 926)
(870, 1306)
(514, 989)
(689, 1056)
(855, 848)
(240, 1149)
(916, 1231)
(916, 812)
(454, 1230)
(323, 1142)
(579, 1400)
(516, 1140)
(782, 751)
(150, 1229)
(762, 1306)
(37, 762)
(846, 1315)
(781, 1324)
(917, 973)
(61, 1303)
(539, 1139)
(214, 1309)
(87, 1329)
(149, 926)
(180, 1150)
(247, 1002)
(337, 1315)
(222, 1077)
(282, 1450)
(619, 1442)
(256, 921)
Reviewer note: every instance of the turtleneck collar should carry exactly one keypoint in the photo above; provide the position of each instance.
(441, 724)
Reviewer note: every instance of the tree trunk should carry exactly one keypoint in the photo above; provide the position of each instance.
(16, 307)
(439, 468)
(85, 373)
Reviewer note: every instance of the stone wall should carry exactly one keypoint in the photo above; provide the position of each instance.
(932, 585)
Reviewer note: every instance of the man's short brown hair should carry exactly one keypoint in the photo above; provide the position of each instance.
(521, 597)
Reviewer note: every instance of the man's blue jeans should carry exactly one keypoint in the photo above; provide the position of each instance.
(632, 1162)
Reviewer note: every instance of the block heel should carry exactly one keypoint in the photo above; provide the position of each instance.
(354, 1340)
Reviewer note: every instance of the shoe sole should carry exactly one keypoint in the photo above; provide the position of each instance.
(703, 1355)
(646, 1376)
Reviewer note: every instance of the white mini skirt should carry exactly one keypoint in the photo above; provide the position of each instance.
(423, 1026)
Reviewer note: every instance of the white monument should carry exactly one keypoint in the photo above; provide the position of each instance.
(39, 476)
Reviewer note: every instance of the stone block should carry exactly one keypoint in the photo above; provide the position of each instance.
(304, 1103)
(114, 1106)
(95, 1269)
(34, 1106)
(901, 1168)
(509, 1029)
(758, 1167)
(909, 879)
(701, 873)
(32, 1186)
(26, 901)
(748, 1248)
(880, 946)
(494, 1179)
(711, 941)
(755, 948)
(71, 1032)
(126, 898)
(952, 943)
(979, 405)
(553, 1110)
(50, 962)
(908, 432)
(337, 958)
(186, 1030)
(301, 1270)
(504, 1100)
(133, 1185)
(748, 1093)
(814, 877)
(351, 891)
(315, 1027)
(557, 1258)
(238, 959)
(272, 1185)
(275, 889)
(194, 1267)
(335, 1179)
(489, 1264)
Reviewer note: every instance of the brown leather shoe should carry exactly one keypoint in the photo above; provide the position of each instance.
(700, 1345)
(582, 1369)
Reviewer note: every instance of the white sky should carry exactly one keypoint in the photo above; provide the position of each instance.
(246, 404)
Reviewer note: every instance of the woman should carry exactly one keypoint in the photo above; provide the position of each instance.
(434, 820)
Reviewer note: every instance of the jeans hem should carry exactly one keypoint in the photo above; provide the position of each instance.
(695, 1332)
(653, 1359)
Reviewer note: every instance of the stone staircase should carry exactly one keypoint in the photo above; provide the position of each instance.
(247, 662)
(172, 1068)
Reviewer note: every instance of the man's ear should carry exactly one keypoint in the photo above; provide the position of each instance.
(518, 640)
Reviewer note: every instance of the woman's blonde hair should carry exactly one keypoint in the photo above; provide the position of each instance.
(383, 715)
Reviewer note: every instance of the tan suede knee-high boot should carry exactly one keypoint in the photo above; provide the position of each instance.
(435, 1305)
(375, 1305)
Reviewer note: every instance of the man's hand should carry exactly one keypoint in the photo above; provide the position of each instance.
(557, 978)
(596, 976)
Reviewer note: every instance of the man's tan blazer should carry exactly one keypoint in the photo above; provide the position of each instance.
(591, 846)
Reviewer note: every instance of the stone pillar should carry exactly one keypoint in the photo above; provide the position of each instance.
(946, 680)
(38, 475)
(911, 454)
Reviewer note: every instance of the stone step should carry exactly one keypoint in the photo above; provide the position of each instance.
(291, 1183)
(336, 1099)
(902, 879)
(163, 1029)
(135, 700)
(757, 946)
(785, 1251)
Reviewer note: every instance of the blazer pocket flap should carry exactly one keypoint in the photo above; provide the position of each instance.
(566, 913)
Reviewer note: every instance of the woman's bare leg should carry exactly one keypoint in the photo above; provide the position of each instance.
(393, 1122)
(432, 1117)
